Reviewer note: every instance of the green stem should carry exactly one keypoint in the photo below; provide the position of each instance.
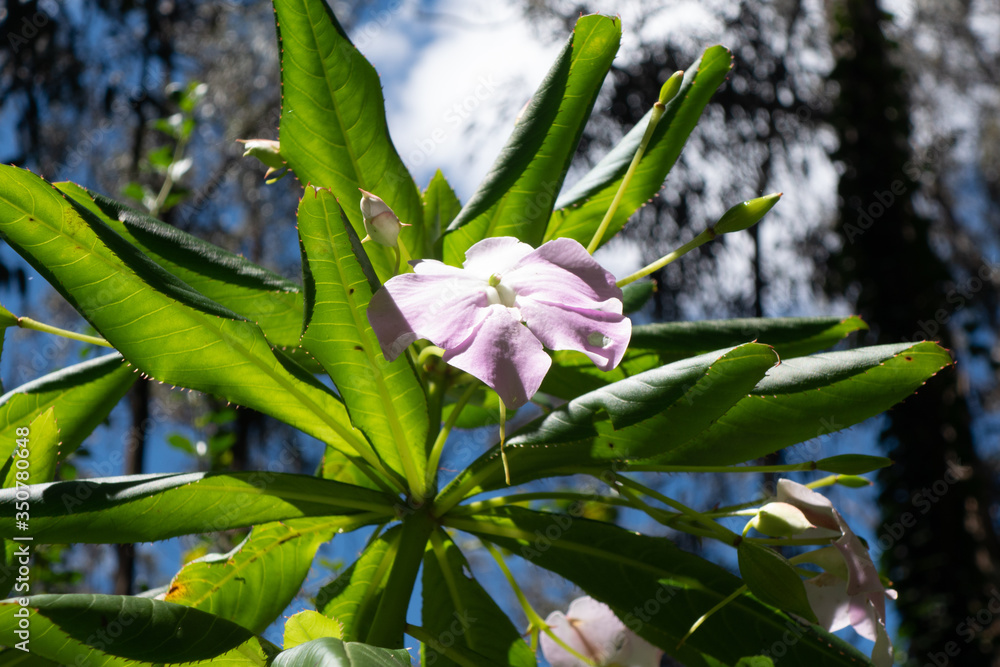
(168, 181)
(533, 618)
(389, 623)
(704, 617)
(28, 323)
(701, 239)
(442, 437)
(698, 517)
(515, 498)
(424, 637)
(789, 467)
(668, 91)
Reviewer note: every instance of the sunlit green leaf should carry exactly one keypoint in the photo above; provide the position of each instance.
(516, 197)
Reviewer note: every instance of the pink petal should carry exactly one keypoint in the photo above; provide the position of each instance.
(501, 352)
(817, 507)
(495, 255)
(862, 576)
(563, 272)
(882, 653)
(438, 302)
(829, 601)
(556, 654)
(602, 632)
(602, 336)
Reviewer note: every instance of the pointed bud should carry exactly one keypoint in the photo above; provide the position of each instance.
(853, 481)
(746, 214)
(381, 223)
(780, 519)
(671, 86)
(267, 151)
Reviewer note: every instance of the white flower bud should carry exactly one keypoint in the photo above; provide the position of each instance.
(381, 223)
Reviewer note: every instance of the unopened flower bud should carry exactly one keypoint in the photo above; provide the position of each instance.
(746, 214)
(267, 151)
(381, 223)
(780, 520)
(670, 87)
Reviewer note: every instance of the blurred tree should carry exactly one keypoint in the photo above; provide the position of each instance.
(942, 558)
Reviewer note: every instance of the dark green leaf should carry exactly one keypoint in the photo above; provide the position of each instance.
(159, 323)
(579, 211)
(516, 197)
(261, 296)
(853, 464)
(612, 424)
(808, 397)
(773, 579)
(83, 395)
(119, 630)
(635, 295)
(143, 508)
(461, 615)
(656, 589)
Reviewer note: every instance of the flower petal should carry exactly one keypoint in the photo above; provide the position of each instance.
(602, 631)
(495, 255)
(563, 272)
(829, 601)
(817, 507)
(565, 630)
(438, 302)
(602, 336)
(502, 353)
(862, 576)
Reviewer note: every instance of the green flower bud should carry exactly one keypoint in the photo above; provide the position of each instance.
(779, 519)
(267, 151)
(381, 223)
(671, 86)
(746, 214)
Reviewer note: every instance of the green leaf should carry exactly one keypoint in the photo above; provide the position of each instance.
(384, 399)
(83, 395)
(656, 589)
(261, 296)
(308, 625)
(143, 508)
(9, 319)
(34, 463)
(516, 197)
(333, 128)
(579, 210)
(653, 345)
(789, 336)
(773, 579)
(461, 615)
(332, 652)
(159, 323)
(353, 597)
(441, 205)
(612, 424)
(274, 557)
(853, 464)
(120, 630)
(635, 295)
(808, 397)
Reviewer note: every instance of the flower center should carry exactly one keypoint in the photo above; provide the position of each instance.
(498, 293)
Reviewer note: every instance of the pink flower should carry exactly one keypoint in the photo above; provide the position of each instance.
(494, 315)
(591, 629)
(849, 591)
